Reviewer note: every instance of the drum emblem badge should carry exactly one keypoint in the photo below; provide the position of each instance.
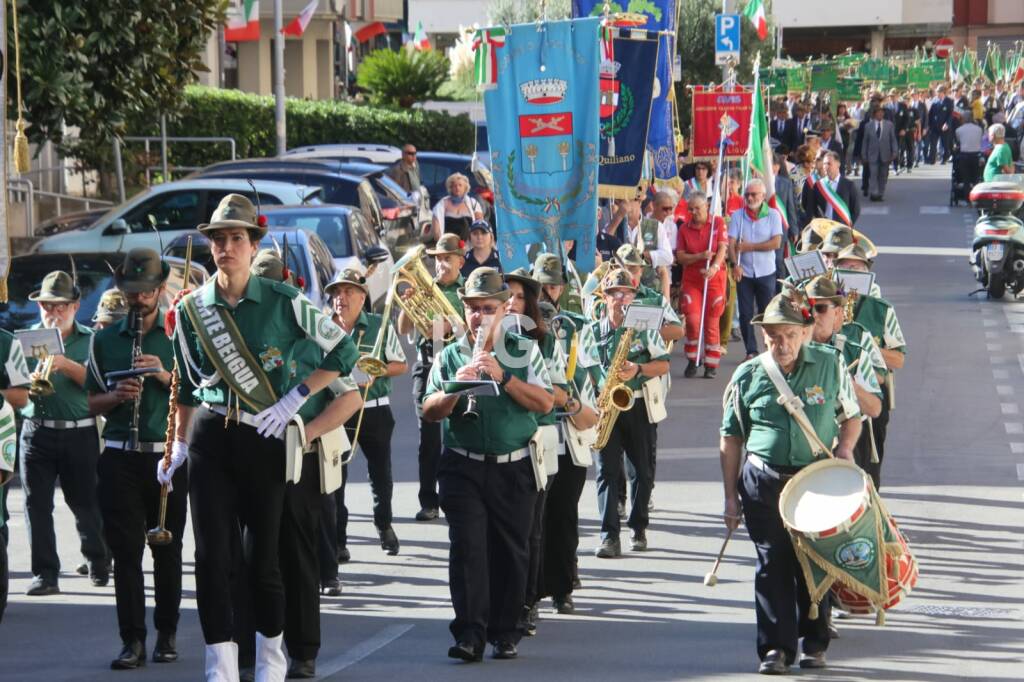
(855, 554)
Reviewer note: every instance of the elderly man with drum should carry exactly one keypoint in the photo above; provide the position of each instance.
(815, 382)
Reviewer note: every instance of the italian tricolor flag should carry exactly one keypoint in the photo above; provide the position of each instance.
(243, 21)
(297, 26)
(755, 12)
(486, 44)
(759, 153)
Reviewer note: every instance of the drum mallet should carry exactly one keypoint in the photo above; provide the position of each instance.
(711, 579)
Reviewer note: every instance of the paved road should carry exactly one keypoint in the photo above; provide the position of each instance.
(953, 478)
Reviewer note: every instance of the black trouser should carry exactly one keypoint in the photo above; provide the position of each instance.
(534, 574)
(561, 527)
(970, 171)
(129, 498)
(632, 435)
(865, 176)
(907, 148)
(4, 567)
(70, 455)
(880, 426)
(430, 435)
(375, 444)
(862, 448)
(300, 561)
(780, 591)
(489, 507)
(236, 474)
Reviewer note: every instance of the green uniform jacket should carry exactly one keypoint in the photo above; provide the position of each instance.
(879, 318)
(68, 401)
(751, 410)
(110, 351)
(284, 333)
(13, 374)
(504, 425)
(365, 332)
(602, 343)
(555, 358)
(853, 350)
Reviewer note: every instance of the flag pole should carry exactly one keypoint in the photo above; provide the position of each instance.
(279, 117)
(715, 212)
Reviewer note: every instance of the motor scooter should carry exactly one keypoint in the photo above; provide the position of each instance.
(997, 251)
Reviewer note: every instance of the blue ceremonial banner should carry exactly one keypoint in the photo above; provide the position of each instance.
(662, 16)
(627, 89)
(542, 128)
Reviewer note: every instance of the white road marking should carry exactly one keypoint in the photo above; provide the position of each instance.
(998, 373)
(1020, 361)
(1017, 448)
(996, 359)
(874, 210)
(361, 650)
(994, 347)
(1004, 390)
(1009, 408)
(924, 251)
(1013, 427)
(934, 210)
(1020, 472)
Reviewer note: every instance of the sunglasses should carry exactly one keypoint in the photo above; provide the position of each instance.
(409, 153)
(54, 307)
(822, 307)
(752, 194)
(482, 309)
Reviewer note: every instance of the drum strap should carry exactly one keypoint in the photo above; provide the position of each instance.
(792, 403)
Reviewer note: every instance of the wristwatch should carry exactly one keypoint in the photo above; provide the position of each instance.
(303, 390)
(505, 379)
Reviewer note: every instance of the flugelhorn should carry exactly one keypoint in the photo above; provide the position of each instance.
(41, 384)
(426, 305)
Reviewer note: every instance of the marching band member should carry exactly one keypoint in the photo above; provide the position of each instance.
(14, 382)
(632, 432)
(487, 483)
(236, 455)
(112, 308)
(129, 498)
(547, 269)
(348, 294)
(878, 316)
(59, 439)
(448, 261)
(692, 253)
(776, 451)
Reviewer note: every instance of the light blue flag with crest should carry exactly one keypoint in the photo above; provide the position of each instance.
(543, 132)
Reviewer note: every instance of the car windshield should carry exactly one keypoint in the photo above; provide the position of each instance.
(94, 277)
(332, 228)
(296, 261)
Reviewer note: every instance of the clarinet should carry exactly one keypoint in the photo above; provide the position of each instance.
(478, 345)
(135, 323)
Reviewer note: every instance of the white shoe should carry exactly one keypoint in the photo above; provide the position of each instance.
(271, 664)
(222, 662)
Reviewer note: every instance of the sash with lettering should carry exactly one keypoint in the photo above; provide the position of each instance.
(627, 90)
(224, 345)
(542, 127)
(661, 18)
(840, 211)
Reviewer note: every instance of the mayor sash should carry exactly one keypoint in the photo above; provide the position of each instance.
(840, 211)
(224, 345)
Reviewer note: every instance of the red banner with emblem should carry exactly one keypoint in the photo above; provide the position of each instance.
(709, 107)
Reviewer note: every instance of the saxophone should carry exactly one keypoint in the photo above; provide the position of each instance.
(615, 396)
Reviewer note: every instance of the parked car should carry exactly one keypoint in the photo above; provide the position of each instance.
(411, 213)
(435, 167)
(156, 216)
(94, 273)
(371, 153)
(69, 221)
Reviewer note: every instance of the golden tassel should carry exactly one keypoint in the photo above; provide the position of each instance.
(812, 612)
(21, 159)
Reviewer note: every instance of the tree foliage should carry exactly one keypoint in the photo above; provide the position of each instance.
(96, 65)
(508, 12)
(402, 78)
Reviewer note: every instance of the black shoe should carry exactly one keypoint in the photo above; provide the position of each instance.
(166, 650)
(639, 541)
(505, 650)
(564, 605)
(691, 369)
(527, 623)
(82, 569)
(609, 549)
(622, 510)
(710, 372)
(427, 514)
(464, 651)
(301, 670)
(331, 588)
(813, 660)
(132, 656)
(41, 588)
(99, 578)
(576, 584)
(389, 541)
(343, 556)
(774, 663)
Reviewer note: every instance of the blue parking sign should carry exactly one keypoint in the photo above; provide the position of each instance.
(727, 38)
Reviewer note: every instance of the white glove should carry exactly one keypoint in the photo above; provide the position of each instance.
(179, 453)
(272, 421)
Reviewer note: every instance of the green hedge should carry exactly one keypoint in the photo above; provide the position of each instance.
(210, 112)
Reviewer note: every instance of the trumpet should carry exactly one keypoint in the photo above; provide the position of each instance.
(41, 384)
(426, 305)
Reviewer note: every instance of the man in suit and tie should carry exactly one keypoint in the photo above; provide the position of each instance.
(940, 124)
(800, 124)
(779, 124)
(831, 143)
(878, 148)
(817, 205)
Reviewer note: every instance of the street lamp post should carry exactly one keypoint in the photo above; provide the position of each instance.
(279, 119)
